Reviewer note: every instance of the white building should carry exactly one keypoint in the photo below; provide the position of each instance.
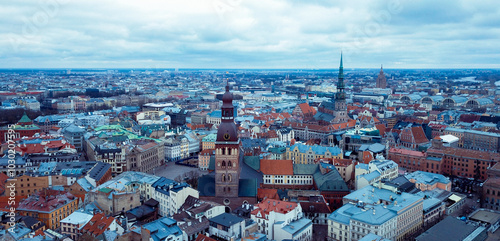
(377, 210)
(285, 134)
(171, 195)
(353, 222)
(271, 215)
(92, 120)
(375, 171)
(227, 226)
(173, 149)
(73, 224)
(300, 230)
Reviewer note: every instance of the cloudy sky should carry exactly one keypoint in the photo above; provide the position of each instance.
(249, 34)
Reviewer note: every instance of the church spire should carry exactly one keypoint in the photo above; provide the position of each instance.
(340, 84)
(341, 68)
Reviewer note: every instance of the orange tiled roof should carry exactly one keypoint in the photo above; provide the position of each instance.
(267, 193)
(419, 135)
(367, 157)
(98, 224)
(381, 129)
(306, 109)
(320, 128)
(202, 237)
(269, 205)
(276, 167)
(407, 152)
(38, 148)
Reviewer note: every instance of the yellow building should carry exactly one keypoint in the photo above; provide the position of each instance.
(208, 142)
(304, 154)
(49, 207)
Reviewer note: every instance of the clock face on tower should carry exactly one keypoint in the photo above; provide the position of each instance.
(227, 136)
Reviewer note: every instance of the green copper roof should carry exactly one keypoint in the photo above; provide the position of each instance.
(117, 131)
(105, 190)
(24, 119)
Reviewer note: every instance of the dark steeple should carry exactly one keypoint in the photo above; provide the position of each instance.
(340, 84)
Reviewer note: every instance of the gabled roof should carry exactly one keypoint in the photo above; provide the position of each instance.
(98, 224)
(306, 109)
(273, 205)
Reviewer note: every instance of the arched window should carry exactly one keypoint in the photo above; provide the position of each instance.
(229, 177)
(228, 189)
(229, 151)
(223, 178)
(229, 164)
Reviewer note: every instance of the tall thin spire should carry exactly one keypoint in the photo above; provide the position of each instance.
(341, 68)
(340, 84)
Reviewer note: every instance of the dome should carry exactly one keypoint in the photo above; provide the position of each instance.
(227, 132)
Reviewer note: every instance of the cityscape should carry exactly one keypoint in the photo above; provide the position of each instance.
(169, 127)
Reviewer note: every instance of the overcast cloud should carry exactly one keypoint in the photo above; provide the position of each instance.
(249, 34)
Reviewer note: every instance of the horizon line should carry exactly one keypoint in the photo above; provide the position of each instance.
(217, 68)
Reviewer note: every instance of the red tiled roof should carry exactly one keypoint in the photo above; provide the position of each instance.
(419, 135)
(4, 202)
(321, 128)
(437, 126)
(473, 154)
(206, 152)
(407, 152)
(3, 179)
(276, 167)
(202, 237)
(269, 205)
(306, 109)
(39, 148)
(367, 157)
(98, 224)
(267, 193)
(381, 129)
(46, 201)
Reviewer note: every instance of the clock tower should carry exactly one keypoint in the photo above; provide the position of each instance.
(227, 151)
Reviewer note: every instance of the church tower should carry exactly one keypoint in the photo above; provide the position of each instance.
(381, 80)
(340, 104)
(227, 150)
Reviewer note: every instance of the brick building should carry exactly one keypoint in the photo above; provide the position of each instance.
(491, 188)
(145, 156)
(446, 160)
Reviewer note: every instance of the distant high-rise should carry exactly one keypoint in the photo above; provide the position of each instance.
(381, 80)
(340, 104)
